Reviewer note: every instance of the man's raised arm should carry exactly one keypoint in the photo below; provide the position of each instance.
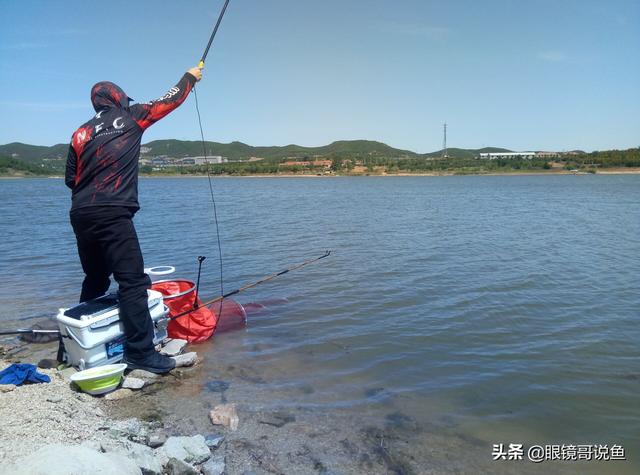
(147, 114)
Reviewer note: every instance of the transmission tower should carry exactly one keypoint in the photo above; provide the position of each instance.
(444, 143)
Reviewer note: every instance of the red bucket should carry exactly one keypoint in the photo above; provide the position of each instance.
(179, 295)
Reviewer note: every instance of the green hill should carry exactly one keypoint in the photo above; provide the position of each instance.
(55, 155)
(33, 153)
(242, 151)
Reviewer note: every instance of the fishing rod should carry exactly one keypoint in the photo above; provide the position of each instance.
(213, 35)
(204, 153)
(25, 331)
(209, 302)
(253, 284)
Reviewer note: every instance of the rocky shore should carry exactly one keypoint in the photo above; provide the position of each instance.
(53, 428)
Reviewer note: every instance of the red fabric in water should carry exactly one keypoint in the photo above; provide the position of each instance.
(232, 315)
(194, 327)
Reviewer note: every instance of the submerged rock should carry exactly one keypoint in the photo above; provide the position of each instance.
(188, 359)
(188, 449)
(217, 386)
(277, 419)
(214, 466)
(213, 441)
(225, 415)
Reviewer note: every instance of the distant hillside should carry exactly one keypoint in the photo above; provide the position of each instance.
(33, 153)
(54, 156)
(241, 151)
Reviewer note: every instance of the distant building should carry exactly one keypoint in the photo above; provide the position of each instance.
(215, 159)
(513, 155)
(506, 155)
(547, 154)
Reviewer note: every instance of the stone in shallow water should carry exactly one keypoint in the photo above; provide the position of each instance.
(213, 441)
(173, 347)
(217, 386)
(277, 419)
(225, 415)
(188, 359)
(214, 466)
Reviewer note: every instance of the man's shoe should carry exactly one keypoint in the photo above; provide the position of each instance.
(153, 362)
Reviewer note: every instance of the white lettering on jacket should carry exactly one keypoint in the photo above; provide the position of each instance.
(82, 135)
(172, 92)
(115, 123)
(99, 127)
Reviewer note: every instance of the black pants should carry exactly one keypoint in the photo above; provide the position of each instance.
(108, 244)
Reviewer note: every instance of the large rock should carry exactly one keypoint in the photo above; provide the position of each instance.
(66, 460)
(144, 457)
(133, 383)
(188, 449)
(225, 415)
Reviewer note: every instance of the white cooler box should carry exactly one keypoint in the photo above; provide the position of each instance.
(93, 334)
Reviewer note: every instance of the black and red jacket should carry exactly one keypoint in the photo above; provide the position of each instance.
(102, 164)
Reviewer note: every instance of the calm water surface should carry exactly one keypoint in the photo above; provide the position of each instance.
(504, 306)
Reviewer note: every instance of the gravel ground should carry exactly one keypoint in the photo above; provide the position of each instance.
(34, 415)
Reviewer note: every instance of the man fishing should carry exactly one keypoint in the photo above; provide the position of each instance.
(102, 173)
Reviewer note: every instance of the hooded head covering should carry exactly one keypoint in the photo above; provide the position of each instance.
(105, 95)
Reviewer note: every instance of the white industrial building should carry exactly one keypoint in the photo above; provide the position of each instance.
(203, 160)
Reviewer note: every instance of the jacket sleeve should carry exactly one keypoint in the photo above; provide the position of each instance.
(70, 171)
(147, 114)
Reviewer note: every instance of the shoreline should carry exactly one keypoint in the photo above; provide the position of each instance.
(603, 171)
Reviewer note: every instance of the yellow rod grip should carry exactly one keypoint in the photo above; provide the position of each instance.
(201, 64)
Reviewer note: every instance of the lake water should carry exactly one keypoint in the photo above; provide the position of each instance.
(493, 309)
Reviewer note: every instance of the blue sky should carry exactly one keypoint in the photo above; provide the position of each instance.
(543, 75)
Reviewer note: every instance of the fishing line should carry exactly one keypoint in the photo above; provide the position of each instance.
(204, 153)
(213, 199)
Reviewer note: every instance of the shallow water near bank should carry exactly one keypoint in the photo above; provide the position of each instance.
(455, 312)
